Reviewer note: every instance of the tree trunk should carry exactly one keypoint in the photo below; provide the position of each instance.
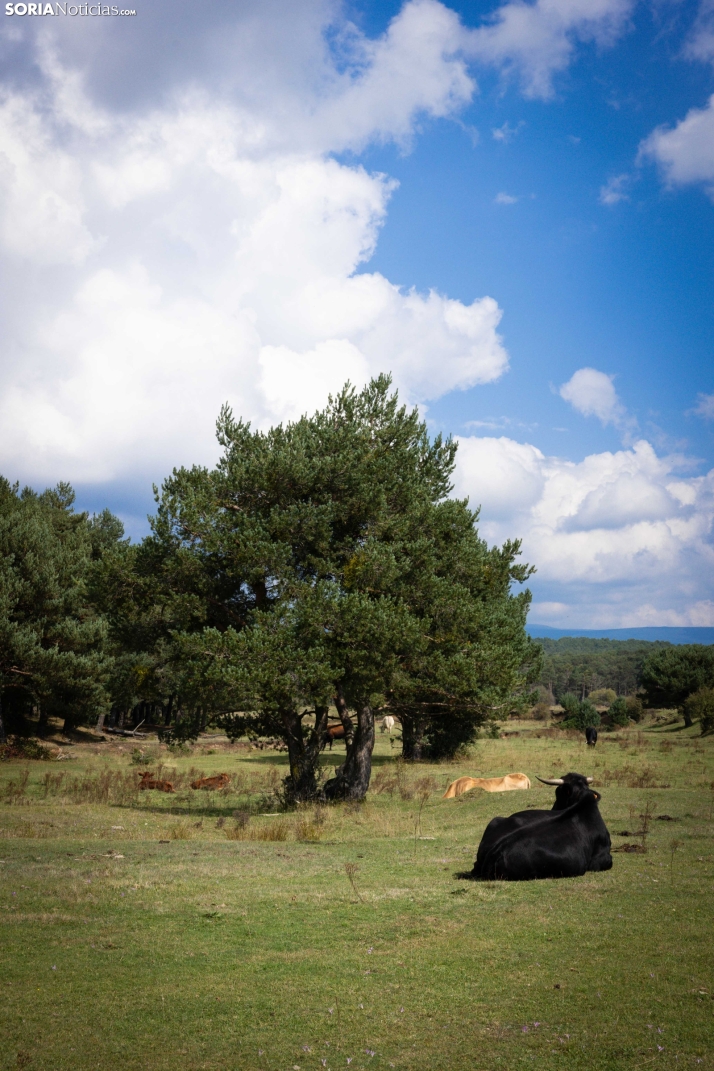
(303, 755)
(99, 727)
(412, 738)
(352, 780)
(316, 740)
(346, 720)
(42, 721)
(3, 737)
(687, 718)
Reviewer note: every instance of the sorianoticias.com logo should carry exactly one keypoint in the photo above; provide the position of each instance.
(65, 9)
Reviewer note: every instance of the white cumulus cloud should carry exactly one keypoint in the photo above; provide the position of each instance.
(604, 533)
(42, 210)
(508, 475)
(165, 260)
(537, 40)
(685, 152)
(592, 393)
(416, 68)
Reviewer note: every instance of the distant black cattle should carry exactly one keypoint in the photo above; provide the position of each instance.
(591, 736)
(564, 842)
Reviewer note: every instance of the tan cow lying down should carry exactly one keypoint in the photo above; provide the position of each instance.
(488, 784)
(147, 781)
(217, 781)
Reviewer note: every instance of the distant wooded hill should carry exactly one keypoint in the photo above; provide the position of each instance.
(664, 634)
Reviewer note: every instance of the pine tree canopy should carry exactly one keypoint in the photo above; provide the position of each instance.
(52, 641)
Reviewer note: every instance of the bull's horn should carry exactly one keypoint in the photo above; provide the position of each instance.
(551, 780)
(589, 780)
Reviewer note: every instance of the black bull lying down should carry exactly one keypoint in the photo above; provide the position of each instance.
(561, 843)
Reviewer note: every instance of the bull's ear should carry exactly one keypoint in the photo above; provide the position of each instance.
(551, 780)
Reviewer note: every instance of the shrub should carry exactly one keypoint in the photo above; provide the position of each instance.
(9, 751)
(570, 704)
(603, 696)
(540, 712)
(618, 712)
(635, 708)
(20, 748)
(588, 715)
(544, 695)
(580, 716)
(175, 744)
(701, 705)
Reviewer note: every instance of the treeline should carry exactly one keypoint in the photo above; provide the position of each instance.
(579, 665)
(662, 674)
(319, 565)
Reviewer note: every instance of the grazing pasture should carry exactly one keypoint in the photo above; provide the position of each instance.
(206, 929)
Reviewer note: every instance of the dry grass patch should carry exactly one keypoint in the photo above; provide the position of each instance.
(268, 831)
(179, 831)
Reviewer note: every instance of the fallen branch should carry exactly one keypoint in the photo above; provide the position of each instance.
(126, 732)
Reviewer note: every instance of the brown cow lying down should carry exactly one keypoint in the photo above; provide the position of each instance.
(488, 784)
(147, 781)
(217, 781)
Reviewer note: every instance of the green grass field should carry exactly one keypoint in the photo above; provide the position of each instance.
(142, 930)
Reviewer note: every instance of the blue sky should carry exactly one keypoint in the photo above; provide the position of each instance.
(627, 288)
(508, 206)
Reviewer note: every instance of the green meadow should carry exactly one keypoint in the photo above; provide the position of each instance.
(155, 931)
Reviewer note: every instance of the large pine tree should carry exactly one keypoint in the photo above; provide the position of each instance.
(336, 569)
